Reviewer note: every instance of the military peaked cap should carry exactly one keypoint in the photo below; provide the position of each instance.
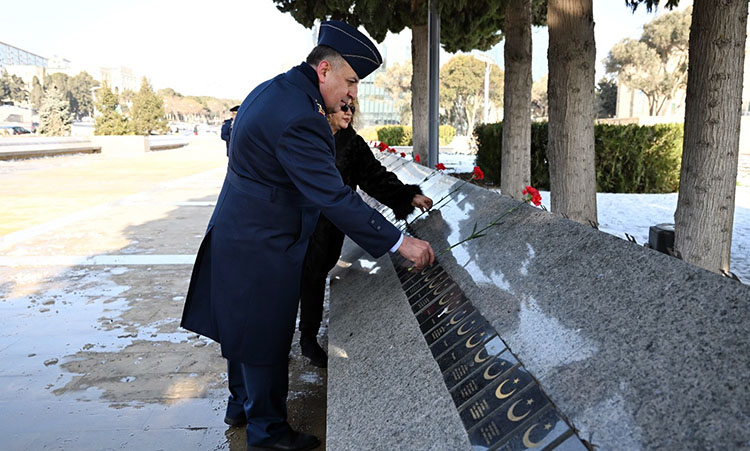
(355, 47)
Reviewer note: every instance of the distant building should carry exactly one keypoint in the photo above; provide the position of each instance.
(376, 106)
(13, 56)
(27, 65)
(118, 79)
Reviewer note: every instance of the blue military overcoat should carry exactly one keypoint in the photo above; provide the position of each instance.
(244, 289)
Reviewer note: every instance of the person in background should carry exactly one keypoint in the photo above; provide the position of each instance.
(358, 167)
(226, 127)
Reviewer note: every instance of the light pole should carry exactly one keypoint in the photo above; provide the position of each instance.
(488, 61)
(433, 88)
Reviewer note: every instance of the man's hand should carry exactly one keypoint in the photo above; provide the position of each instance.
(418, 251)
(422, 202)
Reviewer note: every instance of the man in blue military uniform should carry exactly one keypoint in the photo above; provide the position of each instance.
(244, 289)
(226, 126)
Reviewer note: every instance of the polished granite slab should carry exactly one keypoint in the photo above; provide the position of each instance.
(636, 349)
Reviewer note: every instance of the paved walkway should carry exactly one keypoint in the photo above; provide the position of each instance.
(95, 257)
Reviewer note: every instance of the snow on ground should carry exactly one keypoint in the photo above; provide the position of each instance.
(635, 213)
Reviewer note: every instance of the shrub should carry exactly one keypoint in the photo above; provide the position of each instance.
(629, 158)
(401, 135)
(393, 135)
(368, 134)
(446, 134)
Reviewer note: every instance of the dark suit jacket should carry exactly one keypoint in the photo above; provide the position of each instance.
(226, 130)
(244, 290)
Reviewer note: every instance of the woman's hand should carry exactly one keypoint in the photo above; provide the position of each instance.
(424, 203)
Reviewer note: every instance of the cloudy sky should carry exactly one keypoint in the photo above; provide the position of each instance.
(221, 48)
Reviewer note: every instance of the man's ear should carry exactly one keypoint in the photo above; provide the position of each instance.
(323, 69)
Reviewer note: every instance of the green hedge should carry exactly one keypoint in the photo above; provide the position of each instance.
(394, 135)
(446, 134)
(399, 135)
(629, 158)
(368, 134)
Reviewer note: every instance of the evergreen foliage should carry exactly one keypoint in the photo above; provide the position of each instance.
(55, 117)
(12, 88)
(606, 98)
(629, 158)
(37, 94)
(147, 114)
(109, 121)
(650, 4)
(473, 24)
(76, 90)
(81, 98)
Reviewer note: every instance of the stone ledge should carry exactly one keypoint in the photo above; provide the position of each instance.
(385, 390)
(637, 349)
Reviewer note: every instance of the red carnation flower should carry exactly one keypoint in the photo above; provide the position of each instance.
(403, 155)
(382, 146)
(391, 150)
(440, 167)
(478, 174)
(416, 158)
(532, 195)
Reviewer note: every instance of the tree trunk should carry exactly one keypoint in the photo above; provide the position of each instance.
(419, 94)
(472, 106)
(515, 172)
(571, 58)
(705, 207)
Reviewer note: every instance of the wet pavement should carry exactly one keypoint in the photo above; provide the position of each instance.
(95, 257)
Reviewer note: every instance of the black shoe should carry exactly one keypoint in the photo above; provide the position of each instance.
(312, 350)
(235, 421)
(291, 441)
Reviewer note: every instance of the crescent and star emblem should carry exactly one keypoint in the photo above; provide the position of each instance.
(512, 416)
(452, 308)
(444, 299)
(433, 284)
(527, 441)
(489, 376)
(461, 330)
(500, 395)
(470, 345)
(456, 318)
(437, 290)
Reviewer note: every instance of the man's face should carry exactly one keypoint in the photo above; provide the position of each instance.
(338, 83)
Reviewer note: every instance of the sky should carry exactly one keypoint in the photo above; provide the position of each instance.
(221, 48)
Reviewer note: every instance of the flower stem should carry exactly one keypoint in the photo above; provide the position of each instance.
(478, 233)
(435, 205)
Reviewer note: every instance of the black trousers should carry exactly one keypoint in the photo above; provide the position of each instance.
(259, 393)
(322, 254)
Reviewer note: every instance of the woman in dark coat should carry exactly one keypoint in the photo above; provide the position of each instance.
(358, 167)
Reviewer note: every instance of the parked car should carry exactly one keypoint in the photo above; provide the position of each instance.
(13, 130)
